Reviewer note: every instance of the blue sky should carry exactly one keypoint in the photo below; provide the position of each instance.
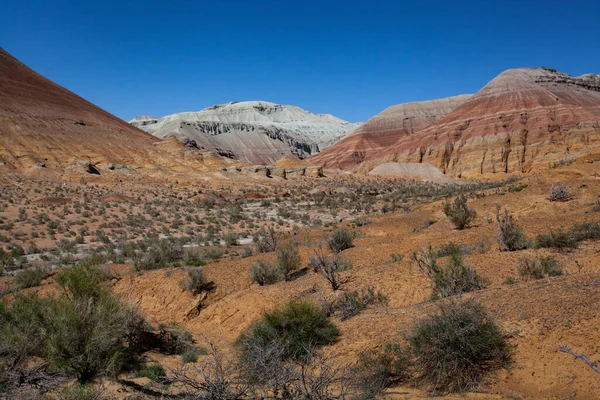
(348, 58)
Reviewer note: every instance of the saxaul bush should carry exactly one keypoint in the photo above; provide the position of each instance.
(459, 212)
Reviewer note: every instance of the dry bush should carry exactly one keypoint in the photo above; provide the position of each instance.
(354, 302)
(330, 266)
(455, 278)
(288, 258)
(339, 240)
(378, 370)
(265, 273)
(560, 192)
(538, 268)
(196, 281)
(266, 241)
(560, 240)
(510, 235)
(459, 212)
(456, 347)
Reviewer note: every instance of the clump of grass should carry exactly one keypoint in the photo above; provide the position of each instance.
(154, 372)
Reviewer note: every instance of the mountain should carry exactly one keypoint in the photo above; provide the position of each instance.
(384, 130)
(45, 125)
(523, 119)
(257, 132)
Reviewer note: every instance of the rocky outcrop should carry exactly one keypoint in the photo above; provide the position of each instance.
(383, 131)
(256, 132)
(521, 120)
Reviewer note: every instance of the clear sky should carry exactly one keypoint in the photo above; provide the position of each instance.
(344, 57)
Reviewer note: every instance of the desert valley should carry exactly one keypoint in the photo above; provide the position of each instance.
(251, 250)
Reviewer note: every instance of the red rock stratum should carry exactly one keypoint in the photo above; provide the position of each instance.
(522, 119)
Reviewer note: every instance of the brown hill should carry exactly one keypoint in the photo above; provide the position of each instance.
(44, 124)
(385, 130)
(524, 118)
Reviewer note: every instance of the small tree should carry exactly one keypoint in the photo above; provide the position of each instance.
(510, 235)
(459, 212)
(266, 241)
(330, 266)
(457, 346)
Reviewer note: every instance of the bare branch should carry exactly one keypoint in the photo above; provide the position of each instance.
(592, 364)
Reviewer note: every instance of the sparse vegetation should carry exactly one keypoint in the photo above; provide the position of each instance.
(330, 266)
(378, 370)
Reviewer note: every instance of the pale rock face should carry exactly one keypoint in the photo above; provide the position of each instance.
(257, 132)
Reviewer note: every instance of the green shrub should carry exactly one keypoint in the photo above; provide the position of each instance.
(190, 355)
(339, 240)
(154, 372)
(586, 231)
(560, 240)
(353, 303)
(457, 346)
(537, 268)
(288, 258)
(459, 212)
(22, 328)
(378, 370)
(517, 188)
(455, 278)
(30, 277)
(297, 327)
(510, 235)
(84, 332)
(82, 280)
(265, 273)
(78, 392)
